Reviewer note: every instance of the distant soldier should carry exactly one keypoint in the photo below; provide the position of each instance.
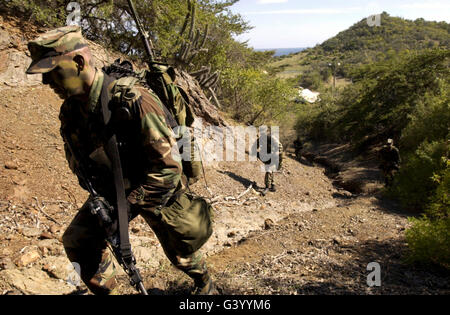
(155, 186)
(298, 146)
(272, 158)
(390, 161)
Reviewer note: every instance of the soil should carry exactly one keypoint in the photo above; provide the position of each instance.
(311, 236)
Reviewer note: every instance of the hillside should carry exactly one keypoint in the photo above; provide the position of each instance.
(311, 237)
(363, 44)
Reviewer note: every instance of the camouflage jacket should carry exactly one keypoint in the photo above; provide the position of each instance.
(151, 164)
(390, 155)
(259, 146)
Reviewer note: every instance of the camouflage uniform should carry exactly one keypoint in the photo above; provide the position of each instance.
(390, 160)
(298, 148)
(269, 180)
(155, 184)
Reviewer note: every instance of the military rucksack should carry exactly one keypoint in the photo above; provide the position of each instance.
(160, 78)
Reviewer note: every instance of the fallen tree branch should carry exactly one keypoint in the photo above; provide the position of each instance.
(41, 209)
(245, 192)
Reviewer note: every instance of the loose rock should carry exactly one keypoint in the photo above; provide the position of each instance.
(6, 263)
(31, 232)
(28, 258)
(45, 236)
(268, 224)
(54, 229)
(11, 165)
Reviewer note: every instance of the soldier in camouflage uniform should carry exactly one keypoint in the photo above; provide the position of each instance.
(390, 160)
(298, 146)
(271, 166)
(155, 184)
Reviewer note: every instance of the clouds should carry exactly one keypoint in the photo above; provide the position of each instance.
(426, 5)
(271, 1)
(303, 11)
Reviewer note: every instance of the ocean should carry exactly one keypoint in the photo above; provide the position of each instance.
(282, 51)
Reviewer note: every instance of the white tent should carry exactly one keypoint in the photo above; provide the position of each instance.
(308, 95)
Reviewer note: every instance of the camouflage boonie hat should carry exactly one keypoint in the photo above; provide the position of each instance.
(49, 49)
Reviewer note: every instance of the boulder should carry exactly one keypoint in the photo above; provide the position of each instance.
(33, 282)
(28, 258)
(57, 267)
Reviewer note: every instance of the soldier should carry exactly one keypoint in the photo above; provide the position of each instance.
(390, 161)
(273, 160)
(155, 185)
(298, 146)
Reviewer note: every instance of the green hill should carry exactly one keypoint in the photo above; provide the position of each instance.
(363, 44)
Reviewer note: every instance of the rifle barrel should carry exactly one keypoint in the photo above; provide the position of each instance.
(142, 288)
(145, 39)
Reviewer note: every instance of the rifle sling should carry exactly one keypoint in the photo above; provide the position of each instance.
(112, 150)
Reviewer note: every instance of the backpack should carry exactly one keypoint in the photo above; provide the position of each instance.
(160, 78)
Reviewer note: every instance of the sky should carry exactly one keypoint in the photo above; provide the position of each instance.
(300, 23)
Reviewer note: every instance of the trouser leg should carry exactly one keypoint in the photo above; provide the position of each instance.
(192, 264)
(85, 244)
(268, 179)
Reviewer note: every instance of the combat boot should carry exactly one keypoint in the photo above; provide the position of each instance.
(207, 287)
(272, 188)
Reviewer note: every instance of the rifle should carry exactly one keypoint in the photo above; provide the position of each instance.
(145, 38)
(101, 208)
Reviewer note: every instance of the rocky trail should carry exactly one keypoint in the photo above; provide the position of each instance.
(310, 237)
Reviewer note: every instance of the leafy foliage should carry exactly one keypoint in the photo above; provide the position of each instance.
(429, 237)
(249, 94)
(255, 97)
(385, 94)
(405, 97)
(316, 121)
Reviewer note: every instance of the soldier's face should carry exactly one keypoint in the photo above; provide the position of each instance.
(65, 80)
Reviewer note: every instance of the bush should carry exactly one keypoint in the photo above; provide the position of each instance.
(424, 144)
(316, 121)
(429, 241)
(311, 79)
(429, 121)
(429, 237)
(42, 12)
(415, 184)
(254, 97)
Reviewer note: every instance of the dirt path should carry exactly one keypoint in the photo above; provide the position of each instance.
(321, 249)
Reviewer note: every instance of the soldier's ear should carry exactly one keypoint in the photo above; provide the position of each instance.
(81, 63)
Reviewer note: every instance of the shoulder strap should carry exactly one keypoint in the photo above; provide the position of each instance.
(113, 152)
(126, 258)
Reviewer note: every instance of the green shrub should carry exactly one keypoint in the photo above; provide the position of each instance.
(429, 241)
(254, 97)
(429, 237)
(415, 184)
(316, 121)
(429, 121)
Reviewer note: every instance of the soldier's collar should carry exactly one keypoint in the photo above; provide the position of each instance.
(96, 89)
